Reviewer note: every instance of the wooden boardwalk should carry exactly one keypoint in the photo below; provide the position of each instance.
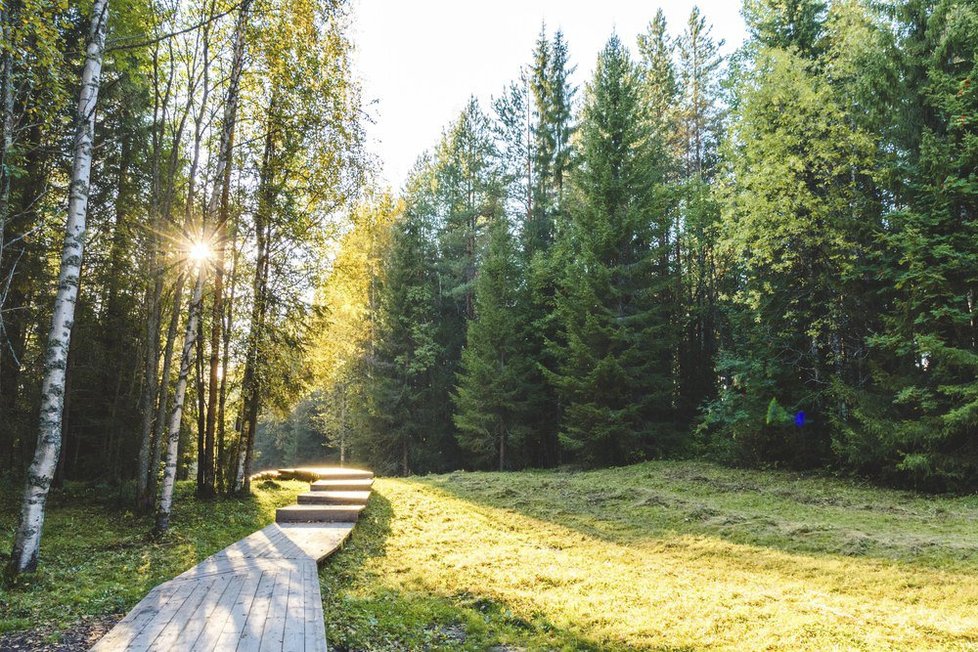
(258, 594)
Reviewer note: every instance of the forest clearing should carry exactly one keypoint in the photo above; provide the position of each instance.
(658, 325)
(661, 555)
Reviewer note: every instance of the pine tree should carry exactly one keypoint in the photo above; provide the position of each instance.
(551, 133)
(615, 368)
(491, 407)
(699, 120)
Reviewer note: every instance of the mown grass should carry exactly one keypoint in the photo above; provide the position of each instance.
(657, 556)
(97, 560)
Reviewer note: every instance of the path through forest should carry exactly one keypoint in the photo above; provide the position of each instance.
(260, 593)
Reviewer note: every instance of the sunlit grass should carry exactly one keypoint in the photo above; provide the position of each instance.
(664, 556)
(97, 560)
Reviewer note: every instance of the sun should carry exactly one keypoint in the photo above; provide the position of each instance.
(199, 252)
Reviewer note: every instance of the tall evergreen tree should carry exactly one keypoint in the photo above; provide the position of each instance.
(491, 406)
(789, 223)
(919, 419)
(699, 122)
(787, 24)
(403, 401)
(615, 368)
(550, 143)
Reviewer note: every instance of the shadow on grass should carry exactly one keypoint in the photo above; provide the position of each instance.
(364, 613)
(657, 502)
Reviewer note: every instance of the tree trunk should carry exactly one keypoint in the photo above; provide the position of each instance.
(251, 384)
(28, 539)
(201, 403)
(223, 395)
(219, 205)
(164, 391)
(176, 416)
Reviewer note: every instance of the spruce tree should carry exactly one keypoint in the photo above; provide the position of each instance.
(550, 143)
(917, 421)
(615, 366)
(790, 224)
(490, 399)
(402, 398)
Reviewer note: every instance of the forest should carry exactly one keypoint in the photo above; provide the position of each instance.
(767, 259)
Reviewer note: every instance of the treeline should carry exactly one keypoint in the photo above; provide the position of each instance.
(200, 150)
(768, 258)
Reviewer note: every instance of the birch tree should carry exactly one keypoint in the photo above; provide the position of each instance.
(27, 541)
(221, 174)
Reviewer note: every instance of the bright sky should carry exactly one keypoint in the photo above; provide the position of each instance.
(420, 60)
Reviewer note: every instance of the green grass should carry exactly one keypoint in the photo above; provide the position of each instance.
(657, 556)
(96, 560)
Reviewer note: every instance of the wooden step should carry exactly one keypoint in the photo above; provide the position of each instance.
(342, 485)
(318, 513)
(334, 498)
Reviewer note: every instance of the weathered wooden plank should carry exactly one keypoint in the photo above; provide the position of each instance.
(274, 633)
(148, 634)
(230, 631)
(141, 615)
(293, 638)
(250, 637)
(315, 632)
(198, 619)
(341, 485)
(185, 616)
(221, 613)
(317, 540)
(334, 498)
(318, 513)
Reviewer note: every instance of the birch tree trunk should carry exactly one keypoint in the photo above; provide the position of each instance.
(28, 539)
(176, 416)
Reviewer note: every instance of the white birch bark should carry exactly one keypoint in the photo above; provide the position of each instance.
(176, 415)
(28, 539)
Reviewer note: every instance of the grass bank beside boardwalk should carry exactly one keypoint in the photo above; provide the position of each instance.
(657, 556)
(97, 560)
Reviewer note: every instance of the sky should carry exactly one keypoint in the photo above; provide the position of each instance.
(420, 60)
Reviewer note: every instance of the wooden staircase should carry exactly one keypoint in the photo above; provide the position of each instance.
(338, 497)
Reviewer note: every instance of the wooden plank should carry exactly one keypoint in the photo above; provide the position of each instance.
(198, 619)
(163, 617)
(250, 637)
(207, 640)
(167, 638)
(318, 513)
(234, 623)
(274, 632)
(317, 540)
(293, 638)
(315, 631)
(141, 615)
